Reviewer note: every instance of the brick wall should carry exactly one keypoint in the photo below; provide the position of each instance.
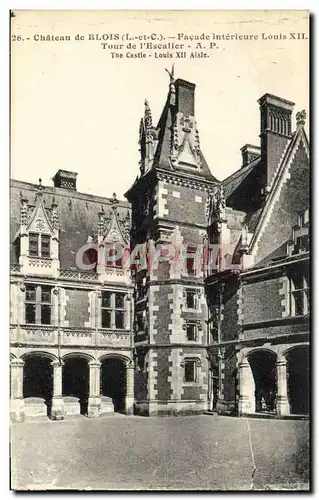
(271, 331)
(162, 373)
(293, 198)
(162, 317)
(230, 317)
(229, 380)
(261, 300)
(185, 204)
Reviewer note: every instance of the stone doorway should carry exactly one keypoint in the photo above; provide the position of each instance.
(75, 381)
(113, 382)
(37, 385)
(263, 367)
(298, 380)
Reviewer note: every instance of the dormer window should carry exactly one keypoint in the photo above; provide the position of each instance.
(39, 245)
(34, 245)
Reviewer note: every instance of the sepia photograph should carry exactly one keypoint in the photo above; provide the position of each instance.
(159, 250)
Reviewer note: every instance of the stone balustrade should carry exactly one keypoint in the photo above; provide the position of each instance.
(68, 336)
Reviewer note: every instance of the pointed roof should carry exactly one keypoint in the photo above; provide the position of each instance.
(162, 157)
(288, 156)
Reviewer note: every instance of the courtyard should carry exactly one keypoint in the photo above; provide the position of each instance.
(172, 453)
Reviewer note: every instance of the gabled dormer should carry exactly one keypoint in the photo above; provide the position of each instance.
(113, 243)
(38, 236)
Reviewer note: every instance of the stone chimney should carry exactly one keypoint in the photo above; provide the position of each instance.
(185, 97)
(65, 179)
(275, 131)
(249, 154)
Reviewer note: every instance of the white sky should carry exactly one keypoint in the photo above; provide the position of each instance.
(75, 108)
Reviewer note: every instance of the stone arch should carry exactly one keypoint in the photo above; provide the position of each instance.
(297, 358)
(291, 348)
(122, 357)
(258, 381)
(259, 349)
(38, 381)
(113, 381)
(78, 354)
(76, 379)
(44, 354)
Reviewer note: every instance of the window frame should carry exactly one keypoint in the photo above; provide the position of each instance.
(195, 331)
(39, 304)
(113, 309)
(191, 256)
(194, 293)
(39, 237)
(117, 264)
(195, 370)
(299, 292)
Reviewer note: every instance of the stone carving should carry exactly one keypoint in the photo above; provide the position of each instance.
(216, 207)
(301, 118)
(39, 225)
(185, 148)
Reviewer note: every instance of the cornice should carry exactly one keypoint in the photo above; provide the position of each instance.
(179, 179)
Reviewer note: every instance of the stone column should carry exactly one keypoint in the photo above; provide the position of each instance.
(210, 389)
(94, 406)
(17, 412)
(128, 312)
(245, 403)
(129, 398)
(282, 406)
(57, 408)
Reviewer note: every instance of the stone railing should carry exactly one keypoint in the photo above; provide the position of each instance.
(40, 262)
(78, 275)
(68, 336)
(15, 268)
(115, 271)
(34, 334)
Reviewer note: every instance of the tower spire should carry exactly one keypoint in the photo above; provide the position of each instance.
(172, 90)
(171, 74)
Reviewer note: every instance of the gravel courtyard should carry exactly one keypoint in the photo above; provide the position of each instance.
(119, 452)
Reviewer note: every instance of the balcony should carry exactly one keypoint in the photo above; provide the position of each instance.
(67, 274)
(68, 336)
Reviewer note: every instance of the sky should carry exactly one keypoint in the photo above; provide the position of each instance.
(74, 107)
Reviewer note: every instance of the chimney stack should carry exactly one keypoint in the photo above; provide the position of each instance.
(185, 97)
(275, 132)
(249, 154)
(65, 179)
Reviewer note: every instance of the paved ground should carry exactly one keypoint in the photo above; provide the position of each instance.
(120, 452)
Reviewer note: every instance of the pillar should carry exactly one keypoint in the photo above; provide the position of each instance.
(94, 406)
(127, 313)
(57, 408)
(17, 412)
(282, 406)
(210, 401)
(129, 398)
(246, 389)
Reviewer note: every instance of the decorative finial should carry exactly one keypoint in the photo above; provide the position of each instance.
(301, 117)
(114, 201)
(171, 74)
(39, 190)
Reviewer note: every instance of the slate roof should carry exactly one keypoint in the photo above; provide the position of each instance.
(78, 216)
(235, 180)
